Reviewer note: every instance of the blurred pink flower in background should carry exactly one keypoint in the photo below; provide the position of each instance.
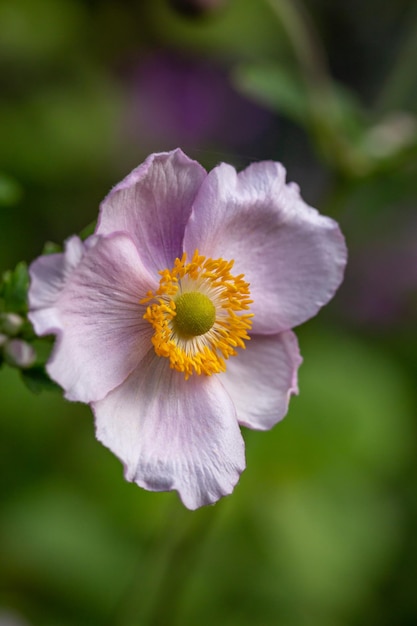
(179, 101)
(380, 289)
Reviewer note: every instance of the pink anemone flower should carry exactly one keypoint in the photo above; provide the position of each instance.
(173, 321)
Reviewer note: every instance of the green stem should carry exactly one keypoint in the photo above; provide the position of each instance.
(401, 80)
(336, 197)
(304, 43)
(155, 596)
(325, 119)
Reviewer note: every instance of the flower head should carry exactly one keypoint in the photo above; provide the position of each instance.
(174, 320)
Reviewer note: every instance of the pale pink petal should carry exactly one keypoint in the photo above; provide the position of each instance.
(292, 257)
(261, 379)
(48, 275)
(153, 205)
(173, 434)
(103, 335)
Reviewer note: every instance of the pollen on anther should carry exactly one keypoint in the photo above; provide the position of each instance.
(199, 314)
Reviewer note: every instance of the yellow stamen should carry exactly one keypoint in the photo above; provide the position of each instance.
(196, 313)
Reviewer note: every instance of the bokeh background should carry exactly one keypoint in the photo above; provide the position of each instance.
(321, 530)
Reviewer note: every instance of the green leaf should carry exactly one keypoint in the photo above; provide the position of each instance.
(10, 191)
(276, 87)
(285, 91)
(51, 247)
(36, 380)
(43, 347)
(329, 112)
(14, 288)
(88, 230)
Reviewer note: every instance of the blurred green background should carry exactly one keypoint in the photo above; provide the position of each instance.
(320, 530)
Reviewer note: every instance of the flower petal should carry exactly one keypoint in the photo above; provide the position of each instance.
(153, 205)
(48, 275)
(103, 335)
(261, 379)
(292, 257)
(173, 434)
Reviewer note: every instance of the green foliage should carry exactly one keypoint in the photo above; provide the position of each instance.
(13, 306)
(36, 379)
(277, 87)
(88, 230)
(51, 247)
(10, 191)
(13, 290)
(342, 132)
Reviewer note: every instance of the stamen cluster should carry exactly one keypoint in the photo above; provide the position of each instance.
(204, 353)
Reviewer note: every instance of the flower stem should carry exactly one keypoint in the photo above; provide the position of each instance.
(305, 45)
(401, 80)
(155, 597)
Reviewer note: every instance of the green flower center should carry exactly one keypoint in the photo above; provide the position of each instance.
(195, 314)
